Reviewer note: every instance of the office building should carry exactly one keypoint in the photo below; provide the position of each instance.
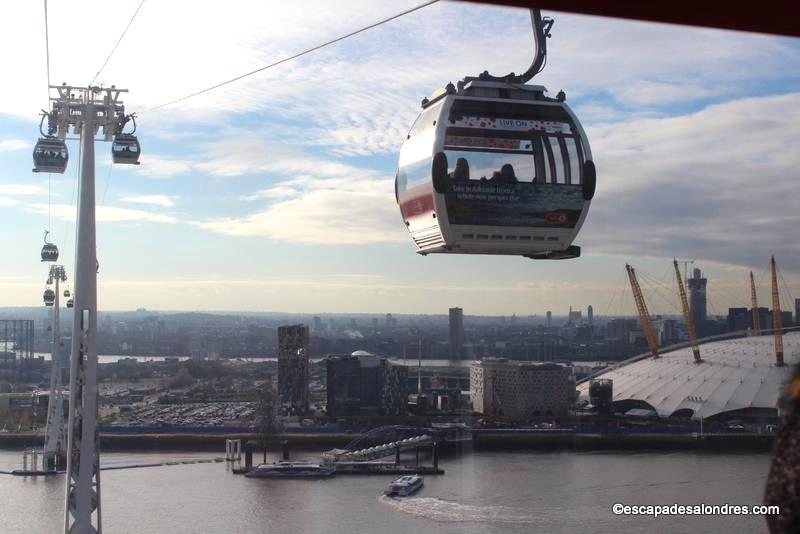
(293, 342)
(697, 297)
(363, 384)
(456, 333)
(549, 317)
(590, 313)
(521, 389)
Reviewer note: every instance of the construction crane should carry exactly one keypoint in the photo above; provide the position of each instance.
(777, 322)
(644, 315)
(754, 304)
(686, 315)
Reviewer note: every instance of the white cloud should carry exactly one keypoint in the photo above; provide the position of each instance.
(7, 202)
(716, 184)
(161, 167)
(152, 200)
(21, 189)
(280, 191)
(7, 145)
(104, 214)
(352, 209)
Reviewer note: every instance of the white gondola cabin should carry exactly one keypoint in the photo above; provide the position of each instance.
(495, 168)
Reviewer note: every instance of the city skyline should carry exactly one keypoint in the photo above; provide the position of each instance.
(257, 196)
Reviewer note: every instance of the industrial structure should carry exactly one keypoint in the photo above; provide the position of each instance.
(293, 354)
(16, 348)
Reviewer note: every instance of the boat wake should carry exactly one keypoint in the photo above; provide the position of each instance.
(454, 512)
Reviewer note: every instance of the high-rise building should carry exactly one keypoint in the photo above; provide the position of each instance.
(521, 389)
(389, 323)
(456, 333)
(363, 384)
(317, 324)
(697, 297)
(549, 317)
(797, 312)
(590, 313)
(293, 357)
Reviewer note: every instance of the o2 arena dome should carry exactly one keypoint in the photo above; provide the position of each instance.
(737, 378)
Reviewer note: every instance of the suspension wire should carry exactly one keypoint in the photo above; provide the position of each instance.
(295, 56)
(47, 49)
(108, 179)
(617, 287)
(790, 304)
(118, 41)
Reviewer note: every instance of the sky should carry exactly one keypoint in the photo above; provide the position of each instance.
(275, 193)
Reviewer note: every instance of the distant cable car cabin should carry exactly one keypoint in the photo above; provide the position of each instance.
(49, 297)
(49, 250)
(66, 292)
(125, 148)
(50, 155)
(496, 167)
(70, 303)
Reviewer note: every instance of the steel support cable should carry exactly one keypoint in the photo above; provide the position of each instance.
(785, 287)
(294, 56)
(47, 50)
(658, 288)
(118, 41)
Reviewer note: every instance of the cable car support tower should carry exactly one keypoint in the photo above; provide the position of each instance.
(85, 110)
(54, 439)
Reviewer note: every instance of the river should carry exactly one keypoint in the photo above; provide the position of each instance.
(481, 492)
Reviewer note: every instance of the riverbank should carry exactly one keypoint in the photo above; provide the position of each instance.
(490, 441)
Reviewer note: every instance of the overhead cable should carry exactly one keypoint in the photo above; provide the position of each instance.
(118, 41)
(295, 56)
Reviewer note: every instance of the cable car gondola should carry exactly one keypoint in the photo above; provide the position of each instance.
(125, 148)
(49, 297)
(495, 166)
(70, 303)
(50, 153)
(49, 250)
(66, 292)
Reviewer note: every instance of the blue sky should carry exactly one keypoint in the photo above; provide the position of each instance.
(275, 193)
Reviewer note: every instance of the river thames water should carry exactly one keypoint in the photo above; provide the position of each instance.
(481, 492)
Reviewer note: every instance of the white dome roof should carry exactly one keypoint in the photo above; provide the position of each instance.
(362, 353)
(735, 374)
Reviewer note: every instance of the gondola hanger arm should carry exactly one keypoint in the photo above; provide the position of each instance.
(541, 31)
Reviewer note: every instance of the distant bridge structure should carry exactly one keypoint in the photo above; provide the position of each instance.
(385, 441)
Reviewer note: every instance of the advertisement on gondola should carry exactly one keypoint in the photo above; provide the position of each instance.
(514, 204)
